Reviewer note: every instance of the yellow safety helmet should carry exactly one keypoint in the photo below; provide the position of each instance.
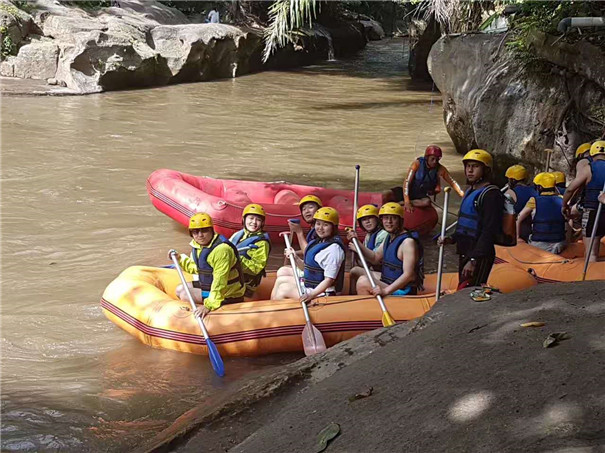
(546, 180)
(597, 147)
(582, 149)
(479, 155)
(309, 198)
(254, 209)
(367, 210)
(518, 172)
(200, 220)
(391, 208)
(559, 177)
(327, 214)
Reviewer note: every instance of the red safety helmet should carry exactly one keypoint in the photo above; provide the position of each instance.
(433, 150)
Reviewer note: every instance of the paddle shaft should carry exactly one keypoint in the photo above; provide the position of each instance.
(174, 259)
(442, 247)
(296, 279)
(592, 238)
(548, 157)
(368, 272)
(355, 205)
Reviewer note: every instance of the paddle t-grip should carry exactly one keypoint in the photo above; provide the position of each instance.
(294, 220)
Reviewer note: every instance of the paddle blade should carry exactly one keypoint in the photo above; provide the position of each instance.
(215, 358)
(313, 341)
(387, 319)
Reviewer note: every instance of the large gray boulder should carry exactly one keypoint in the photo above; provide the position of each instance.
(491, 100)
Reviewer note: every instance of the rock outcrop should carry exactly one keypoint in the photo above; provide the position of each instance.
(422, 35)
(147, 44)
(517, 109)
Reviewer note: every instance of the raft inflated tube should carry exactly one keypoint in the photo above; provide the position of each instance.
(547, 267)
(142, 301)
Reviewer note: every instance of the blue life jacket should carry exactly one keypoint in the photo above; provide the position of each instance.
(595, 186)
(250, 241)
(425, 180)
(468, 216)
(372, 238)
(251, 280)
(392, 266)
(311, 235)
(205, 270)
(561, 188)
(548, 224)
(524, 193)
(314, 273)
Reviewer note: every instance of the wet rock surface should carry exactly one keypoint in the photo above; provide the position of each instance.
(466, 377)
(143, 44)
(494, 100)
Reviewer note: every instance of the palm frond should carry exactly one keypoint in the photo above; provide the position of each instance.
(284, 17)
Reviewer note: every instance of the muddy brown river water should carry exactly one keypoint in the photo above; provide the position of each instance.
(75, 213)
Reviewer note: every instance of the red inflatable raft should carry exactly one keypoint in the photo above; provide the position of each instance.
(179, 196)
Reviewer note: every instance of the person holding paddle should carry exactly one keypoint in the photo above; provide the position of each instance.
(308, 205)
(368, 220)
(590, 179)
(323, 263)
(216, 261)
(254, 246)
(401, 255)
(479, 220)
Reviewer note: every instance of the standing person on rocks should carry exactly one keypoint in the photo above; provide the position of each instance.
(401, 255)
(254, 260)
(544, 212)
(422, 181)
(213, 16)
(308, 205)
(520, 193)
(479, 220)
(323, 264)
(590, 179)
(216, 261)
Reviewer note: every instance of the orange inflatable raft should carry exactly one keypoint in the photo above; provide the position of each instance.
(547, 267)
(179, 196)
(141, 300)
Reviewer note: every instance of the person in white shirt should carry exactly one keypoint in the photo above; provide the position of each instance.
(324, 262)
(213, 16)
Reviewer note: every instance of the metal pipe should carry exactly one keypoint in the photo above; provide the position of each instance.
(579, 22)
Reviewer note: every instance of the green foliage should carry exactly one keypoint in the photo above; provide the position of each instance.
(285, 16)
(544, 16)
(7, 46)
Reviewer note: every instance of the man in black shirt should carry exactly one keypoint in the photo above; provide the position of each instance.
(479, 220)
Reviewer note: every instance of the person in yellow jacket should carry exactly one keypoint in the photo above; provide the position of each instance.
(216, 261)
(253, 245)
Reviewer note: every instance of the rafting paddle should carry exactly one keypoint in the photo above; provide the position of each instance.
(442, 246)
(215, 357)
(387, 319)
(592, 238)
(313, 341)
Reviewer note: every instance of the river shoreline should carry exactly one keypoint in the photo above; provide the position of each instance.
(465, 376)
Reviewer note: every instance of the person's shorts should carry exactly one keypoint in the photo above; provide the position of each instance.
(552, 247)
(588, 222)
(409, 291)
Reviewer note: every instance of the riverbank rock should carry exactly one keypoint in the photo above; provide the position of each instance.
(494, 99)
(465, 377)
(141, 44)
(422, 35)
